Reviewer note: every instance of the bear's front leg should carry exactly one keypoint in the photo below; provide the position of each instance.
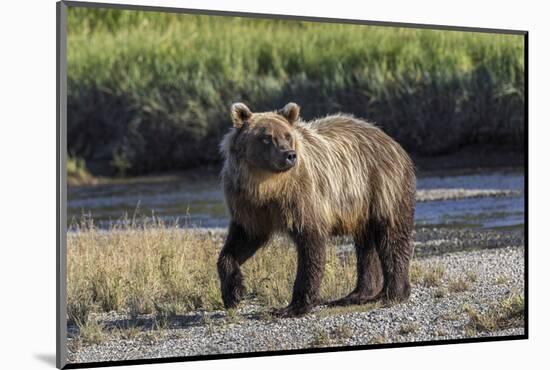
(239, 247)
(309, 274)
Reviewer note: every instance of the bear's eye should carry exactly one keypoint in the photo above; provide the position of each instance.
(266, 140)
(288, 137)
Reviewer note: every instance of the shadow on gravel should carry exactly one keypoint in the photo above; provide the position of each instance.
(151, 323)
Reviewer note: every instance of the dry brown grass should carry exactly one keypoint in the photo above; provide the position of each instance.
(379, 339)
(408, 328)
(321, 338)
(139, 271)
(501, 279)
(459, 285)
(507, 313)
(430, 275)
(472, 276)
(167, 270)
(342, 333)
(440, 293)
(91, 332)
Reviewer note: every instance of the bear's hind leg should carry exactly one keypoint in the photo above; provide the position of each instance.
(369, 274)
(395, 251)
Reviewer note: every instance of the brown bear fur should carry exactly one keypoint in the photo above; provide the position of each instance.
(348, 177)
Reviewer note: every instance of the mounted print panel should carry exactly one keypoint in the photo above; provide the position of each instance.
(250, 184)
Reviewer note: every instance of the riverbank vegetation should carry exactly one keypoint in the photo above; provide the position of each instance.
(77, 173)
(154, 268)
(148, 267)
(150, 91)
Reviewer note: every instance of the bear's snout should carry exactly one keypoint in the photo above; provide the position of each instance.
(290, 157)
(285, 160)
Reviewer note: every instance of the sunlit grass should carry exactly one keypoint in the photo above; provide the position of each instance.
(142, 83)
(77, 173)
(506, 313)
(162, 270)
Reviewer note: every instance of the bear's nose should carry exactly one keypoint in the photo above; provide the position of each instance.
(291, 157)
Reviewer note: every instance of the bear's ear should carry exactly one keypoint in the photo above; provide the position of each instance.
(240, 114)
(291, 112)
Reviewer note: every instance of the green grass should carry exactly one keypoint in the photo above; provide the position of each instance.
(151, 91)
(77, 173)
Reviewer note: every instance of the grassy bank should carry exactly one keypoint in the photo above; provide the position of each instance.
(149, 267)
(158, 269)
(150, 91)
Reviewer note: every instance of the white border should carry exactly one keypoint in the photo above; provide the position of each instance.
(28, 180)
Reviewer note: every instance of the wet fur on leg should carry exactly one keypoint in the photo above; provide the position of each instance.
(369, 273)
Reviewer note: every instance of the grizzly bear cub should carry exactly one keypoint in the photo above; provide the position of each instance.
(333, 176)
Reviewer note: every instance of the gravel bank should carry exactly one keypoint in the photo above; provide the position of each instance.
(427, 240)
(427, 195)
(433, 241)
(473, 281)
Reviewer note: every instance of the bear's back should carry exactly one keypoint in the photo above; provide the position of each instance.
(355, 166)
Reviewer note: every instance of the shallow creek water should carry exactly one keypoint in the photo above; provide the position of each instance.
(198, 202)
